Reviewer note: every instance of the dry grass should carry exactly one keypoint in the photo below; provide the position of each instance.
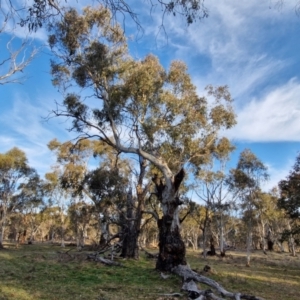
(40, 272)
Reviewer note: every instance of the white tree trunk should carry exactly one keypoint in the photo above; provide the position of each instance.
(263, 236)
(292, 246)
(249, 245)
(221, 228)
(2, 225)
(204, 242)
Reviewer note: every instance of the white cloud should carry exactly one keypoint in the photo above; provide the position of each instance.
(274, 117)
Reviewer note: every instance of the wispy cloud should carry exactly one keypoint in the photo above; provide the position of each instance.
(277, 174)
(23, 127)
(274, 117)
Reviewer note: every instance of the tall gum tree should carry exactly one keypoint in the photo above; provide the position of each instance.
(246, 180)
(289, 201)
(14, 172)
(138, 108)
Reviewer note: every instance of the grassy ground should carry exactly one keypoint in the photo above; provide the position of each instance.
(40, 272)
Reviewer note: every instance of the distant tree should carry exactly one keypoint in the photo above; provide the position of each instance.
(14, 174)
(289, 201)
(31, 200)
(267, 215)
(246, 180)
(151, 112)
(211, 189)
(57, 196)
(70, 170)
(107, 189)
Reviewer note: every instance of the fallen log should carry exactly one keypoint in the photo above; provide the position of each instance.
(190, 278)
(103, 260)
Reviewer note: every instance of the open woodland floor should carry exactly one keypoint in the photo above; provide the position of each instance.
(42, 271)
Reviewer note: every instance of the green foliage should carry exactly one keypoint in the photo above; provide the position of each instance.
(106, 186)
(249, 174)
(16, 179)
(150, 111)
(290, 192)
(289, 200)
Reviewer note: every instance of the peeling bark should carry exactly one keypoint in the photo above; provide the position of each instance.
(171, 246)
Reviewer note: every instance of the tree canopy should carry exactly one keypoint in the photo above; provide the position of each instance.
(136, 106)
(290, 192)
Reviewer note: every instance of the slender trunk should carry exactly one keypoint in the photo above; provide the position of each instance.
(249, 243)
(222, 251)
(62, 229)
(280, 245)
(292, 245)
(204, 230)
(2, 226)
(291, 242)
(62, 244)
(83, 235)
(52, 235)
(263, 236)
(1, 236)
(204, 241)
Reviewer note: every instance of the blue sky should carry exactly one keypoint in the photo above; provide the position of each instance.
(251, 46)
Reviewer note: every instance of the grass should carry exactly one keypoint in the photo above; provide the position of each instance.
(34, 272)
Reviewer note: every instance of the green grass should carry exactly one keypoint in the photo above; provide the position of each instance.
(40, 272)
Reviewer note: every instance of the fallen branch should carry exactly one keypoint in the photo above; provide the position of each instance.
(172, 295)
(103, 260)
(190, 278)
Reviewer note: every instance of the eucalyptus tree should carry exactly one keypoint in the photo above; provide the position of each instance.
(81, 216)
(289, 201)
(137, 108)
(14, 173)
(57, 196)
(246, 179)
(35, 14)
(70, 170)
(211, 189)
(107, 189)
(31, 200)
(268, 218)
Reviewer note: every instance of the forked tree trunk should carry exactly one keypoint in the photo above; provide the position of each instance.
(171, 246)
